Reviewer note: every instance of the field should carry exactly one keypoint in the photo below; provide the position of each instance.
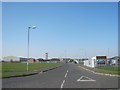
(22, 67)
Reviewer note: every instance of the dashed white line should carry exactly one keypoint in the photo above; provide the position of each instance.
(64, 80)
(62, 84)
(67, 71)
(65, 75)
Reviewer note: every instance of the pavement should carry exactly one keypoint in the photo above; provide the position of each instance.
(67, 76)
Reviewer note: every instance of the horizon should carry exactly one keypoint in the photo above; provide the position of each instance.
(58, 57)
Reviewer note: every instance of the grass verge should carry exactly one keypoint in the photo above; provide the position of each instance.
(14, 74)
(109, 68)
(20, 67)
(116, 70)
(81, 64)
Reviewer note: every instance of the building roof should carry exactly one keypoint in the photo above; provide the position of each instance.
(116, 57)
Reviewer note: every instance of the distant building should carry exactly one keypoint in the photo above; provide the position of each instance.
(23, 59)
(14, 59)
(11, 59)
(96, 61)
(114, 60)
(31, 60)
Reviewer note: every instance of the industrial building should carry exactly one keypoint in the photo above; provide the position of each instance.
(96, 61)
(14, 59)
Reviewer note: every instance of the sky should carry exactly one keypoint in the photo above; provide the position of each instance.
(60, 0)
(0, 30)
(64, 29)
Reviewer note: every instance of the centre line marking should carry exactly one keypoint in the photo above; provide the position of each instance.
(67, 71)
(64, 80)
(65, 75)
(62, 84)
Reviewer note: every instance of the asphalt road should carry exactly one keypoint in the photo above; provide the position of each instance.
(66, 76)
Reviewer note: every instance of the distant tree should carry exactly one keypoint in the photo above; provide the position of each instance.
(40, 59)
(55, 59)
(71, 60)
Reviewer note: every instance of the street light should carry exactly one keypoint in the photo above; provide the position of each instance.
(33, 27)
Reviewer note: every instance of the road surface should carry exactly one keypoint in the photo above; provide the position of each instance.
(67, 76)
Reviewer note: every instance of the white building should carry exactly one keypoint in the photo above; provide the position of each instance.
(14, 58)
(11, 58)
(90, 62)
(95, 61)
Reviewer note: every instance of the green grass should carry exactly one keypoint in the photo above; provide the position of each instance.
(116, 70)
(81, 63)
(19, 67)
(109, 68)
(0, 67)
(13, 74)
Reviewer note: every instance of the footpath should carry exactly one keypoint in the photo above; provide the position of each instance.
(99, 71)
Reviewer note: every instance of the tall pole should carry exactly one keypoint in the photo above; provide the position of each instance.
(33, 27)
(28, 48)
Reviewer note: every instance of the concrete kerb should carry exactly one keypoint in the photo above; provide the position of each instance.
(99, 72)
(34, 73)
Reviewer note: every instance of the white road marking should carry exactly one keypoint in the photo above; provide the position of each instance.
(89, 79)
(67, 71)
(80, 78)
(62, 84)
(64, 80)
(65, 75)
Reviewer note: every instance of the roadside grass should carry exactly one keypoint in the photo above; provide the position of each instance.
(116, 70)
(0, 67)
(13, 74)
(81, 63)
(21, 67)
(109, 68)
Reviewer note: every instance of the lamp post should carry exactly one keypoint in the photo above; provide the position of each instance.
(33, 27)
